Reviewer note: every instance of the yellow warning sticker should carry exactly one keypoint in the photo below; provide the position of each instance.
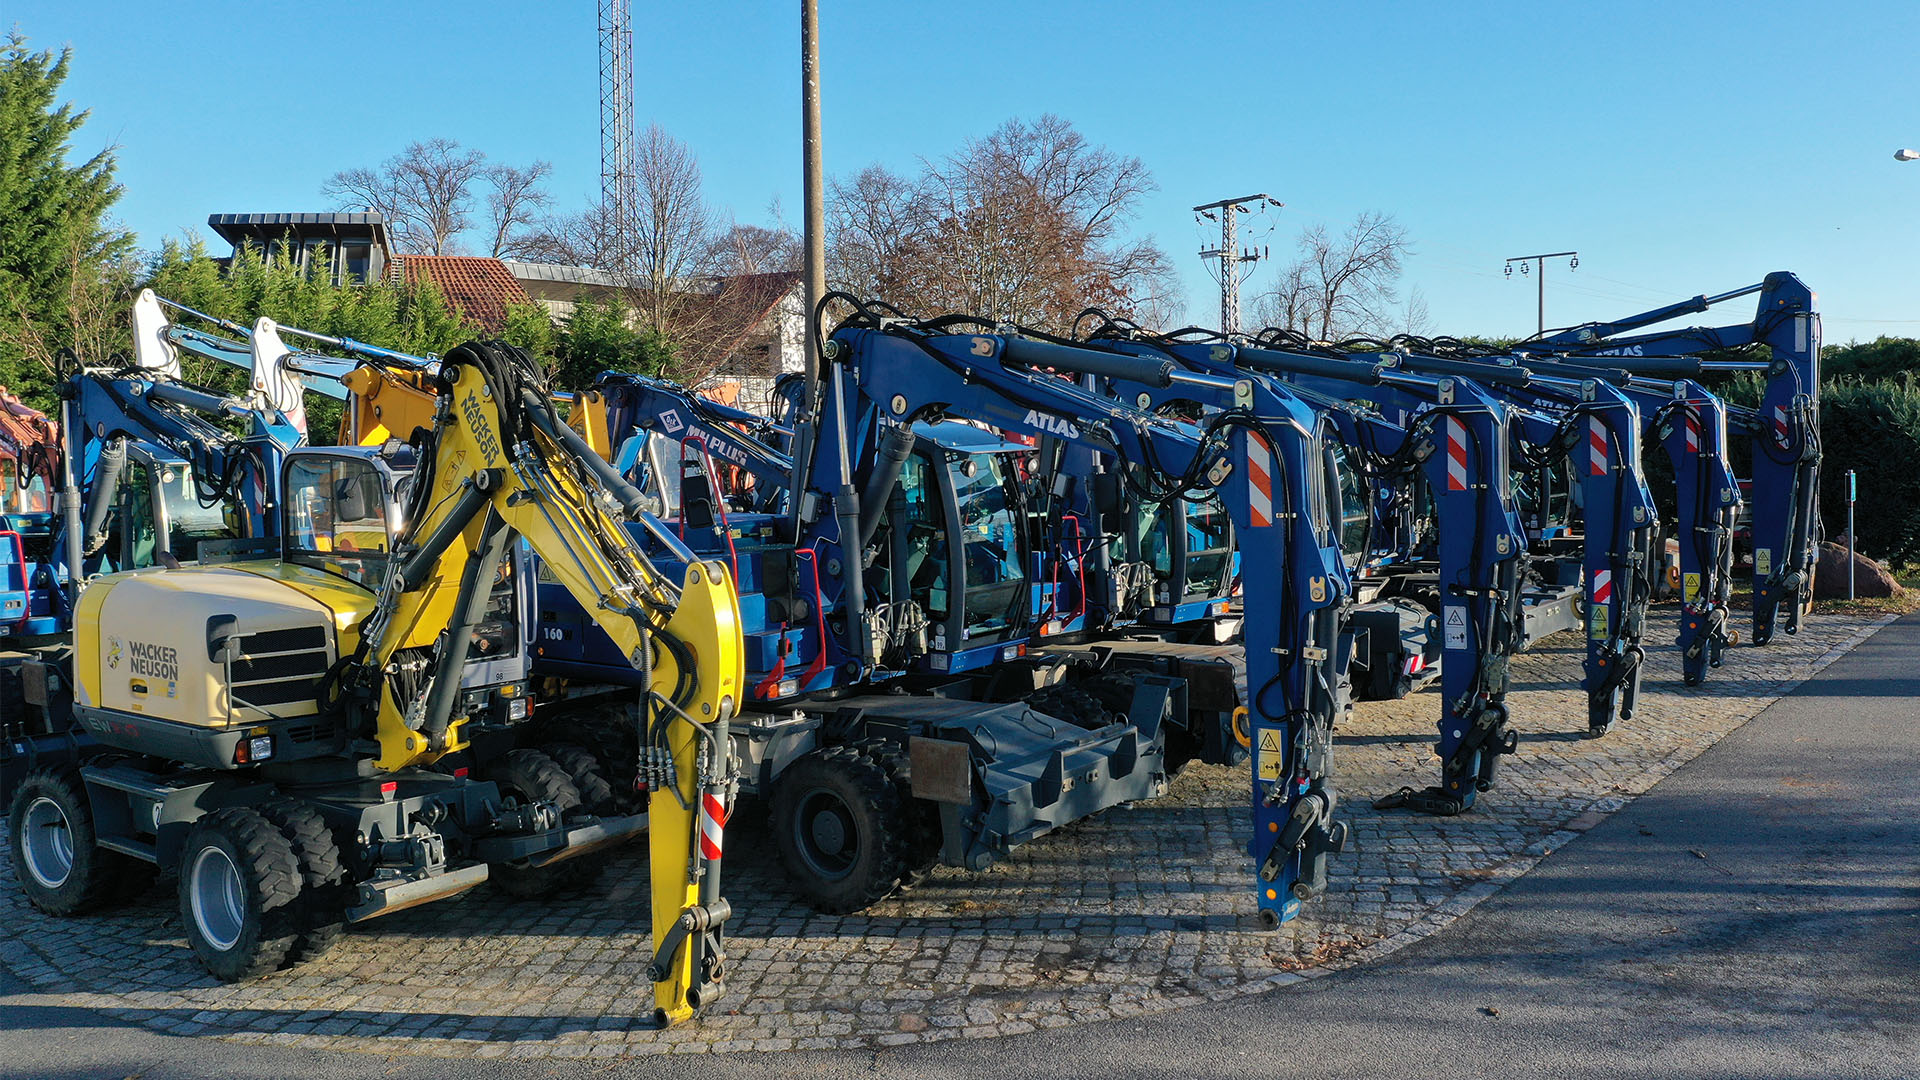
(1271, 755)
(1597, 622)
(1690, 589)
(1763, 561)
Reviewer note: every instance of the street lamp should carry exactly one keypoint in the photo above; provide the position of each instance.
(1906, 155)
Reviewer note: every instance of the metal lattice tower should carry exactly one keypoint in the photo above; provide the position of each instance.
(616, 114)
(1232, 260)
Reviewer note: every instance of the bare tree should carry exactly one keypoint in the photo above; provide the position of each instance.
(514, 201)
(1415, 319)
(590, 238)
(1027, 224)
(427, 191)
(672, 246)
(743, 250)
(684, 275)
(1341, 286)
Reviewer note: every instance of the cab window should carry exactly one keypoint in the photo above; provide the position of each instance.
(336, 518)
(139, 533)
(997, 592)
(191, 522)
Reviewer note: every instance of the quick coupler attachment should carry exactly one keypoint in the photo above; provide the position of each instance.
(1614, 699)
(702, 924)
(1312, 833)
(1707, 647)
(1474, 766)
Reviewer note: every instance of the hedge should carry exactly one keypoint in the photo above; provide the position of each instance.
(1874, 428)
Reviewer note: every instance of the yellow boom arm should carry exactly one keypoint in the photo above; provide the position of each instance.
(502, 463)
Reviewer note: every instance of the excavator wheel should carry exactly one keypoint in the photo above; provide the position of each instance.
(583, 767)
(530, 776)
(921, 818)
(240, 886)
(609, 733)
(61, 869)
(322, 909)
(837, 823)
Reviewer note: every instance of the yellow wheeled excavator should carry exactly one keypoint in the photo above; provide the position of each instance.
(285, 727)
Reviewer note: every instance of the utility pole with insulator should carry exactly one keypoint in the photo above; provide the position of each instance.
(616, 123)
(1539, 271)
(1235, 264)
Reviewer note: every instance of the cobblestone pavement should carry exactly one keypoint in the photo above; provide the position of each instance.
(1139, 910)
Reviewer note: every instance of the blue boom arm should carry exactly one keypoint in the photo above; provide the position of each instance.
(1481, 546)
(1785, 429)
(1596, 426)
(1690, 424)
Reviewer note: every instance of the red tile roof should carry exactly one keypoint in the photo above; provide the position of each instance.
(480, 287)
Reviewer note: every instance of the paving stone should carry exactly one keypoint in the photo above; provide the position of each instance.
(1141, 909)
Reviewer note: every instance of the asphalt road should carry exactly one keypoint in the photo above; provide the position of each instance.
(1756, 915)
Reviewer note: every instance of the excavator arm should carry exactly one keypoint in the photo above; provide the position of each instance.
(1785, 429)
(501, 463)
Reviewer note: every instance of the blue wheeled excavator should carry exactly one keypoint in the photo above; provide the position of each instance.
(1595, 428)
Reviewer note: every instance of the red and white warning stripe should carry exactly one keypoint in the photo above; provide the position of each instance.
(712, 813)
(1259, 480)
(1782, 434)
(1693, 431)
(1456, 455)
(1597, 440)
(1602, 586)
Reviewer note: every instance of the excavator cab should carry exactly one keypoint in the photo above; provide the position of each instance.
(158, 517)
(342, 510)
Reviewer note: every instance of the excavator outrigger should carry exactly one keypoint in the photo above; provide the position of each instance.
(276, 726)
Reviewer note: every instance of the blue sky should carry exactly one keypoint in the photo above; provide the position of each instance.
(1679, 147)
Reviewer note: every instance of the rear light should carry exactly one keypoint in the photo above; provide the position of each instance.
(388, 787)
(460, 773)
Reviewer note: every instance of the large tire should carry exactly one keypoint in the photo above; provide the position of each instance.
(531, 776)
(920, 818)
(61, 868)
(583, 767)
(321, 916)
(837, 823)
(611, 734)
(239, 894)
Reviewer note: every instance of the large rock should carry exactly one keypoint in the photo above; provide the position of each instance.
(1830, 575)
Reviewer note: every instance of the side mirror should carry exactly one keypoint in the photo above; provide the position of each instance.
(223, 639)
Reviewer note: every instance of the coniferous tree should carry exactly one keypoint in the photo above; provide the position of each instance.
(56, 245)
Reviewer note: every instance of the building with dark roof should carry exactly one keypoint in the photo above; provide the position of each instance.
(356, 247)
(757, 321)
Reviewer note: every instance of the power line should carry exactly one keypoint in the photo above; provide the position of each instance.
(1235, 261)
(1540, 274)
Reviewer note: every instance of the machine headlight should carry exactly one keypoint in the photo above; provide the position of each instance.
(518, 708)
(260, 748)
